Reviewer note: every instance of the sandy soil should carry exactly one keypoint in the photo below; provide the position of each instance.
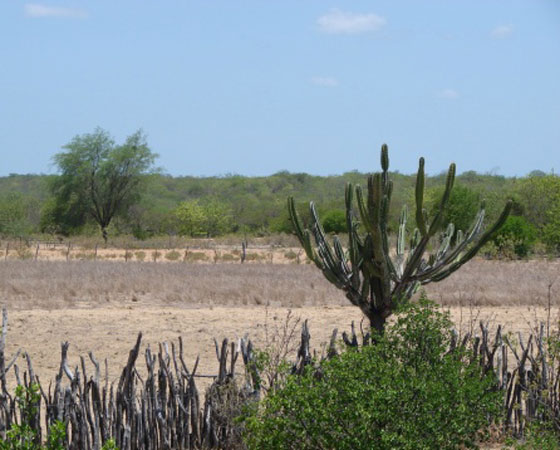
(111, 332)
(102, 306)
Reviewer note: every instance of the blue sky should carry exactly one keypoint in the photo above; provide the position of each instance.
(255, 87)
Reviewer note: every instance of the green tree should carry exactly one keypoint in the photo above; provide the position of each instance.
(518, 234)
(461, 209)
(540, 197)
(335, 222)
(191, 218)
(99, 179)
(14, 214)
(217, 218)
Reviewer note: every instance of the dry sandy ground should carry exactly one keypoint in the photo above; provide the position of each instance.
(111, 332)
(102, 306)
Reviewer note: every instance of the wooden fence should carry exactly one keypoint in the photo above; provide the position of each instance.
(164, 409)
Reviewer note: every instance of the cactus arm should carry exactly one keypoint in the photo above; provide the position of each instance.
(438, 218)
(446, 242)
(363, 209)
(401, 237)
(385, 237)
(353, 242)
(447, 258)
(475, 248)
(294, 217)
(302, 234)
(419, 194)
(384, 158)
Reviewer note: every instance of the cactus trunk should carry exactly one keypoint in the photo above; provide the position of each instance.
(372, 279)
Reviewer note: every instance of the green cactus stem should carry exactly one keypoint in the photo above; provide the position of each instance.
(371, 278)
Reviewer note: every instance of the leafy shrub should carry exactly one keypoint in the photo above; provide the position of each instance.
(140, 255)
(518, 234)
(173, 255)
(196, 256)
(538, 436)
(462, 207)
(335, 222)
(290, 254)
(24, 436)
(406, 391)
(229, 257)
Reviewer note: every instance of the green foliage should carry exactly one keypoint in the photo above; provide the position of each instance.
(217, 218)
(518, 234)
(211, 218)
(404, 392)
(461, 209)
(540, 197)
(173, 255)
(335, 222)
(110, 445)
(538, 436)
(16, 214)
(191, 217)
(57, 436)
(98, 179)
(23, 436)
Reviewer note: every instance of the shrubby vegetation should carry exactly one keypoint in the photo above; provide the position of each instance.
(24, 435)
(406, 391)
(256, 205)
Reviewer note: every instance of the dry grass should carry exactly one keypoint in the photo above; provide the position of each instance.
(102, 305)
(499, 283)
(86, 284)
(78, 284)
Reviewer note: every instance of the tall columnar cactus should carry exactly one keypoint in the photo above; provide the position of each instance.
(374, 278)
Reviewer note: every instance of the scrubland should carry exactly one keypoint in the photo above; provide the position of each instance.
(102, 305)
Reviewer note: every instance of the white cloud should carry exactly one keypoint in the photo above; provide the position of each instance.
(340, 22)
(325, 81)
(36, 10)
(449, 94)
(502, 31)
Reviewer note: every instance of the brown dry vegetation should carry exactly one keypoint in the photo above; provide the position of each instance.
(81, 284)
(102, 305)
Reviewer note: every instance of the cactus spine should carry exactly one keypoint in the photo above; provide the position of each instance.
(372, 279)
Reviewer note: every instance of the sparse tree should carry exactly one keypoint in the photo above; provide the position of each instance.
(98, 178)
(190, 216)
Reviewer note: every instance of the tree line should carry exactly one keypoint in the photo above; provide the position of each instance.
(109, 188)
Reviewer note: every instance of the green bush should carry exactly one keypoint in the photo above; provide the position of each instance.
(173, 255)
(335, 222)
(518, 234)
(23, 436)
(538, 436)
(405, 392)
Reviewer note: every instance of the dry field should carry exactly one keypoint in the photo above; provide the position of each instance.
(102, 305)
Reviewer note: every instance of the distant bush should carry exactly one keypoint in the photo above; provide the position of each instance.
(196, 256)
(228, 257)
(335, 222)
(290, 254)
(140, 255)
(406, 391)
(173, 255)
(516, 234)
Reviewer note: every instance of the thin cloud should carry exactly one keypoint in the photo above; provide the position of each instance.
(340, 22)
(37, 10)
(325, 81)
(449, 94)
(502, 31)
